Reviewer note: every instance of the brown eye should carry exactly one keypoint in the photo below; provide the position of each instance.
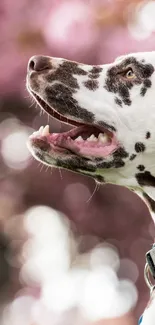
(129, 74)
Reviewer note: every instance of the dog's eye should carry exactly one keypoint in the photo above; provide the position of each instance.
(129, 74)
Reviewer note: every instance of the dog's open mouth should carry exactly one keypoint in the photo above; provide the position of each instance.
(84, 139)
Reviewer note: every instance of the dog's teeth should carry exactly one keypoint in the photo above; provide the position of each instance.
(41, 129)
(92, 138)
(35, 133)
(45, 130)
(102, 138)
(79, 138)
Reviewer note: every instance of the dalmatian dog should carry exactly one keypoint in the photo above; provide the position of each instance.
(111, 111)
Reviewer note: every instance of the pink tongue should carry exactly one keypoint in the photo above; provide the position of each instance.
(86, 148)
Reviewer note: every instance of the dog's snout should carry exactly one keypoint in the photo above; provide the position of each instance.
(39, 63)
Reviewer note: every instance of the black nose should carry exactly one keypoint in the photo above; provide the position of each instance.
(39, 63)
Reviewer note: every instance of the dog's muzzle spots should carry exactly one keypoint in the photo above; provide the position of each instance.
(93, 75)
(139, 147)
(61, 99)
(63, 76)
(96, 70)
(91, 84)
(76, 163)
(116, 162)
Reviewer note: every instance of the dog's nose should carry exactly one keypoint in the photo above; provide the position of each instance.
(39, 63)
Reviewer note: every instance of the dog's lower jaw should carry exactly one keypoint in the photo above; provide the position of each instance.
(100, 175)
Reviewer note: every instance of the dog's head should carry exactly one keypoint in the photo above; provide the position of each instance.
(112, 110)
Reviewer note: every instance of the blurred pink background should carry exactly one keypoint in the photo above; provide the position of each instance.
(89, 31)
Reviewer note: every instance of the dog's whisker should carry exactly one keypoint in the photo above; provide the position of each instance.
(94, 191)
(42, 167)
(60, 174)
(47, 168)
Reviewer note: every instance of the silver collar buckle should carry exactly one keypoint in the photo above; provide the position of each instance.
(149, 270)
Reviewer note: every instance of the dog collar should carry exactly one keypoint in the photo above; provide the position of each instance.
(149, 271)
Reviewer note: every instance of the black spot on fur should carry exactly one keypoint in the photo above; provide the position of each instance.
(95, 72)
(141, 168)
(148, 135)
(94, 76)
(147, 83)
(115, 163)
(91, 84)
(143, 91)
(73, 68)
(132, 157)
(145, 179)
(123, 91)
(119, 163)
(96, 69)
(121, 153)
(139, 147)
(64, 77)
(105, 164)
(118, 101)
(113, 84)
(75, 164)
(150, 201)
(65, 73)
(61, 99)
(127, 101)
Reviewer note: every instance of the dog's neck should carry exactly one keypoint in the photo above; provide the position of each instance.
(138, 176)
